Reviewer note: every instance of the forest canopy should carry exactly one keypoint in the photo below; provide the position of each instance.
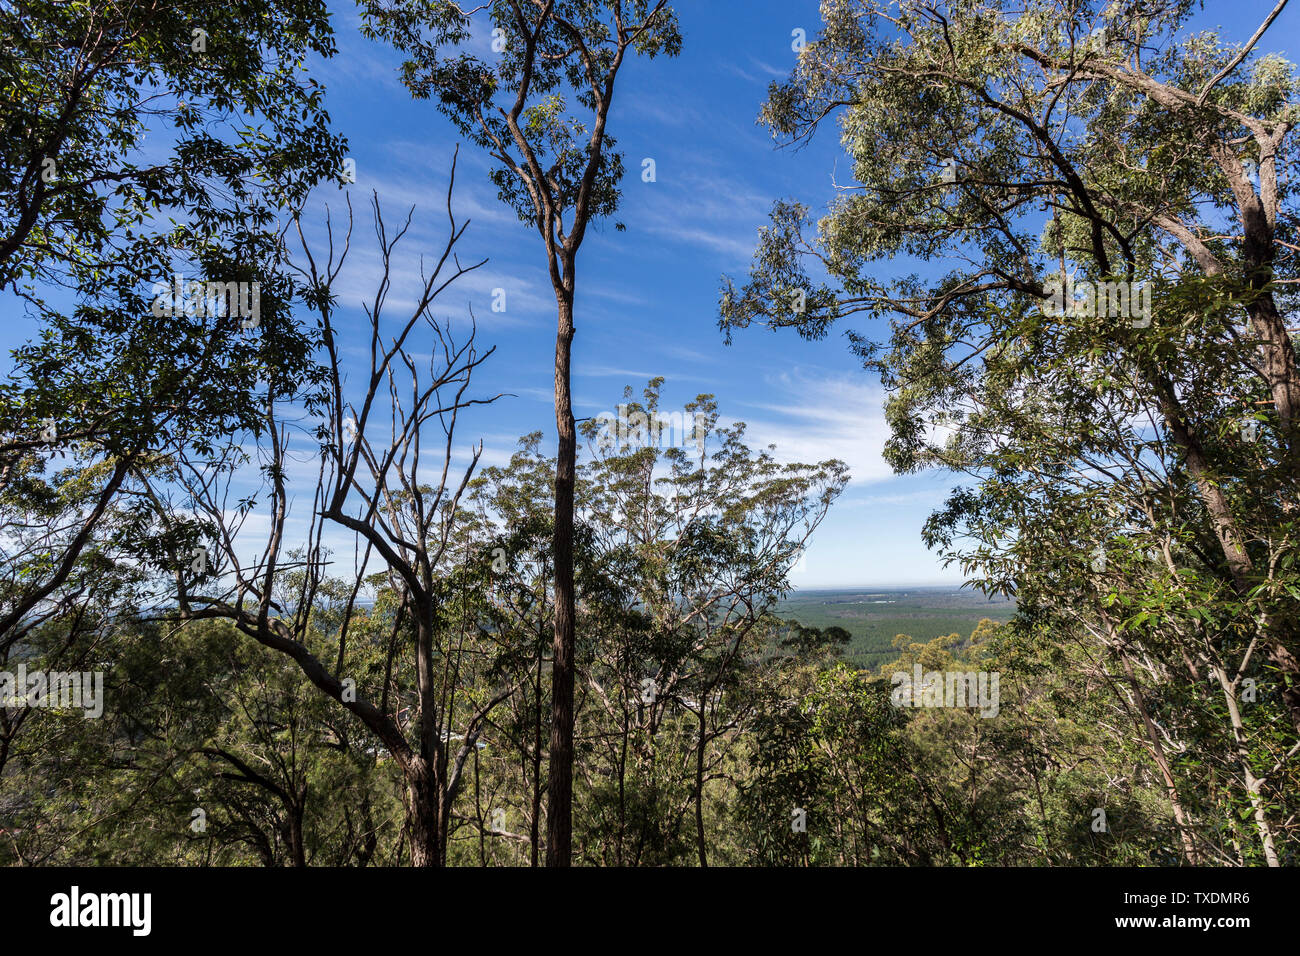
(268, 598)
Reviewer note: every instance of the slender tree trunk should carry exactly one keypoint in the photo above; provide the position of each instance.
(1230, 541)
(559, 805)
(422, 815)
(297, 846)
(622, 787)
(369, 839)
(1181, 817)
(1254, 785)
(478, 813)
(534, 834)
(699, 787)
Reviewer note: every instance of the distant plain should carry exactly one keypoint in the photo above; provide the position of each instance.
(875, 615)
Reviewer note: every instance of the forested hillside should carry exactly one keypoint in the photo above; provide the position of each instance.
(271, 594)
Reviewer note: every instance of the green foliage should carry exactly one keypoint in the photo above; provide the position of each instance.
(1145, 692)
(1132, 466)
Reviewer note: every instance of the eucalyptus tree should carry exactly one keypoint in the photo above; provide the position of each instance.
(210, 750)
(706, 531)
(513, 519)
(142, 141)
(558, 169)
(1117, 375)
(86, 83)
(685, 536)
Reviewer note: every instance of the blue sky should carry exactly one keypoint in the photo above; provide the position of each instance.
(647, 297)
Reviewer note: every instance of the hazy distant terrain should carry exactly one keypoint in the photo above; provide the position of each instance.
(874, 616)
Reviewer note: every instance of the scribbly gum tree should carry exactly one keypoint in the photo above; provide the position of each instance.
(1136, 470)
(558, 170)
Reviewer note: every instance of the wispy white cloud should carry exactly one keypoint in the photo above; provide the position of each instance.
(608, 371)
(762, 73)
(825, 418)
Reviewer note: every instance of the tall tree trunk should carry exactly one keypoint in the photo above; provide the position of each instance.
(422, 814)
(1230, 538)
(297, 845)
(559, 804)
(534, 834)
(701, 741)
(1254, 785)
